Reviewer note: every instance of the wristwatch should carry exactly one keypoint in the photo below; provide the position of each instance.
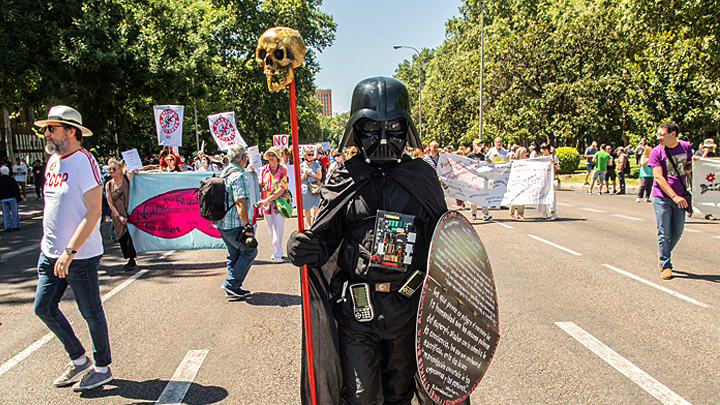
(70, 251)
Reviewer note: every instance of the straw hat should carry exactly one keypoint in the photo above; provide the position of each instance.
(65, 115)
(275, 151)
(709, 143)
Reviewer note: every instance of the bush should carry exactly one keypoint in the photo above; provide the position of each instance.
(569, 159)
(634, 172)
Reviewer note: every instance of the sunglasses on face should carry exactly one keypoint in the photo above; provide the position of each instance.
(169, 160)
(112, 169)
(51, 128)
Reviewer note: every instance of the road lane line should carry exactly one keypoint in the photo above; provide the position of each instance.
(555, 245)
(506, 226)
(692, 230)
(659, 287)
(20, 251)
(564, 204)
(165, 256)
(627, 217)
(716, 236)
(619, 363)
(40, 342)
(593, 210)
(178, 386)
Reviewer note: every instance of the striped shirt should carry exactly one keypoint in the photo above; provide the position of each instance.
(237, 188)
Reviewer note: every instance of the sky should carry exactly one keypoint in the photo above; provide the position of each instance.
(366, 33)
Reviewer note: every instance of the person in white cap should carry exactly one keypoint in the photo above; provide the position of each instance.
(71, 247)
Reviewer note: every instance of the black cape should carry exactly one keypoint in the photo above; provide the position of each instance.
(420, 180)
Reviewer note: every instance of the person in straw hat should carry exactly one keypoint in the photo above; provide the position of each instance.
(273, 184)
(71, 247)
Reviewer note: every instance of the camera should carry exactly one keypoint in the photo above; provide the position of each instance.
(245, 239)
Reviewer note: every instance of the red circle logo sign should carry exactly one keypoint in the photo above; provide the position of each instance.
(223, 129)
(169, 121)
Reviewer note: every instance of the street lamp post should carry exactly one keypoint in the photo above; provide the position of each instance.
(482, 65)
(419, 81)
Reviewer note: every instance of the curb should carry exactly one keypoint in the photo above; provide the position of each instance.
(628, 188)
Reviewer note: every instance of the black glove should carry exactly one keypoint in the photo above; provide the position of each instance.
(303, 248)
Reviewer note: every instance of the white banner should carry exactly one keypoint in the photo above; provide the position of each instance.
(168, 124)
(521, 182)
(224, 130)
(255, 158)
(281, 140)
(706, 186)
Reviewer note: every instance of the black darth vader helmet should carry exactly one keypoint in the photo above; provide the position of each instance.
(380, 125)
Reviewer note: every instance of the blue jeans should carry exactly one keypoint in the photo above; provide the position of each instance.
(239, 257)
(10, 213)
(670, 224)
(82, 277)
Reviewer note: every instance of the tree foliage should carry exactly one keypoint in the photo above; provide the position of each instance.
(572, 71)
(114, 59)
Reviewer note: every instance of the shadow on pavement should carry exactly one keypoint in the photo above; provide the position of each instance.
(149, 391)
(714, 278)
(273, 300)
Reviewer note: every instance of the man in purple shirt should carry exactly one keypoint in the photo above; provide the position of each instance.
(668, 190)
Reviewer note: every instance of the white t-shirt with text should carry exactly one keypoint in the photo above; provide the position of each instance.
(20, 171)
(67, 179)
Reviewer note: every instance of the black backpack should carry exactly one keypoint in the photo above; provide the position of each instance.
(213, 198)
(626, 167)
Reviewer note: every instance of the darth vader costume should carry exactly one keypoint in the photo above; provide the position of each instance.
(370, 361)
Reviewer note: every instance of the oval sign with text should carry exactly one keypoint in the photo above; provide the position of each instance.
(457, 325)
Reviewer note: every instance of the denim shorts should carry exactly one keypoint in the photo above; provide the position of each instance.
(599, 174)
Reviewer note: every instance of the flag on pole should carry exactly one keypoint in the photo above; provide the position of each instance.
(224, 130)
(168, 123)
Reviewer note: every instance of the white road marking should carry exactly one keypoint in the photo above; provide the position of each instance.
(716, 236)
(593, 210)
(564, 204)
(165, 256)
(21, 251)
(627, 217)
(659, 287)
(40, 342)
(619, 363)
(555, 245)
(177, 387)
(692, 230)
(506, 226)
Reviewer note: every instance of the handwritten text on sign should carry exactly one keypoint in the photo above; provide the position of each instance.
(520, 182)
(457, 330)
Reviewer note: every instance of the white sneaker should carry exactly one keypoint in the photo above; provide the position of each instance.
(648, 200)
(544, 215)
(554, 217)
(637, 200)
(278, 260)
(473, 217)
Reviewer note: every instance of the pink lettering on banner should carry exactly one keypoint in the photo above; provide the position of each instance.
(171, 215)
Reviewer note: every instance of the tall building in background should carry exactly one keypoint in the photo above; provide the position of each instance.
(325, 98)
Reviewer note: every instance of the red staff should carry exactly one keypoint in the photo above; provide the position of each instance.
(280, 50)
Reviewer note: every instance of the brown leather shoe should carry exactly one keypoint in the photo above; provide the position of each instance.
(666, 274)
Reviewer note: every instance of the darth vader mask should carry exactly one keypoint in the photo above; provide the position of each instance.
(381, 141)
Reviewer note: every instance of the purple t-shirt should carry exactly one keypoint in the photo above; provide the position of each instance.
(682, 152)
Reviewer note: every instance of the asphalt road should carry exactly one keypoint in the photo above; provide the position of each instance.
(584, 317)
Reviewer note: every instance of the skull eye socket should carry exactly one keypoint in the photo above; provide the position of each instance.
(279, 54)
(261, 54)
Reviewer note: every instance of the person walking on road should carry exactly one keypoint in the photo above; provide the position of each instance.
(599, 170)
(310, 172)
(610, 174)
(273, 184)
(235, 227)
(20, 171)
(117, 190)
(545, 152)
(38, 170)
(9, 196)
(671, 162)
(590, 154)
(646, 177)
(71, 247)
(623, 167)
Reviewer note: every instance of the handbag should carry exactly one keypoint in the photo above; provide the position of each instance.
(314, 187)
(686, 194)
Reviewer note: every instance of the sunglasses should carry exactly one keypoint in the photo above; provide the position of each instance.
(112, 169)
(51, 128)
(169, 160)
